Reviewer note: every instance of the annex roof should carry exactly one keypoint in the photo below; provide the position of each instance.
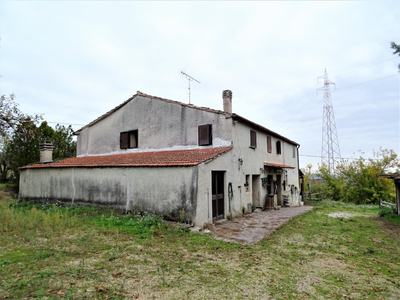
(172, 158)
(234, 116)
(278, 166)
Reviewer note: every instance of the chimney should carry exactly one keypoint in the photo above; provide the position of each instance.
(227, 96)
(46, 152)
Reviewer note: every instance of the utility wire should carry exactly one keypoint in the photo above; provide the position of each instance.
(364, 68)
(285, 128)
(319, 156)
(65, 123)
(347, 87)
(294, 106)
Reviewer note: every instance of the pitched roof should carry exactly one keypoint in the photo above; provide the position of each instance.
(175, 158)
(235, 116)
(139, 93)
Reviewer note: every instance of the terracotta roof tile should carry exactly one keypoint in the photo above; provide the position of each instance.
(175, 158)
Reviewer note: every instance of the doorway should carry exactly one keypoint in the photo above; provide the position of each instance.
(256, 181)
(217, 195)
(279, 189)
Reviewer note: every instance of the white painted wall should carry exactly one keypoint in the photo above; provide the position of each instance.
(160, 190)
(160, 125)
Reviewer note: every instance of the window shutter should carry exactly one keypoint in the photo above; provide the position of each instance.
(253, 139)
(124, 140)
(269, 145)
(205, 135)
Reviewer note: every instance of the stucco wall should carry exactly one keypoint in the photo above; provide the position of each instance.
(160, 125)
(253, 165)
(160, 190)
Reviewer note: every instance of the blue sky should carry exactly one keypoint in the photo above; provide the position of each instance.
(74, 61)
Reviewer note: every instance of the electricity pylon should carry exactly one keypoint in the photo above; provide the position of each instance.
(330, 153)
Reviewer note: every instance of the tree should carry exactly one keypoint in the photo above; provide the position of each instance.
(4, 167)
(359, 182)
(11, 116)
(22, 148)
(396, 50)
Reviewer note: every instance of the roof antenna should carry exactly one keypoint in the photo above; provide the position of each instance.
(189, 78)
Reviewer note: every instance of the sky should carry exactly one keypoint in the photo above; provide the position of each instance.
(75, 60)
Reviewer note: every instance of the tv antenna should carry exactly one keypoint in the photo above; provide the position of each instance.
(189, 78)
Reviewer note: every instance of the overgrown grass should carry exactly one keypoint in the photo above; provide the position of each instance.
(48, 252)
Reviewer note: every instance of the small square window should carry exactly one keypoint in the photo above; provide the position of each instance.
(205, 135)
(129, 139)
(253, 139)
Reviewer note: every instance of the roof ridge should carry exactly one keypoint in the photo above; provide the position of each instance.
(139, 93)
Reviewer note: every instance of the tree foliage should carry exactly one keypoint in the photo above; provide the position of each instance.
(22, 147)
(359, 182)
(11, 116)
(396, 49)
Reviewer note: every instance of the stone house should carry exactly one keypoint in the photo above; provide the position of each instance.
(179, 160)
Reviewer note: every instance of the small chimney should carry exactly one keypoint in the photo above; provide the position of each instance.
(46, 152)
(227, 96)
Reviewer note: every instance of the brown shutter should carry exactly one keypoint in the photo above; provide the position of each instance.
(124, 140)
(205, 135)
(269, 145)
(253, 139)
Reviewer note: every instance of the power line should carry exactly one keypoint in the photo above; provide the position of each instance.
(290, 124)
(347, 87)
(65, 123)
(365, 67)
(319, 156)
(295, 105)
(283, 124)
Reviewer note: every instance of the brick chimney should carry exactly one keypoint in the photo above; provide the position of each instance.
(227, 96)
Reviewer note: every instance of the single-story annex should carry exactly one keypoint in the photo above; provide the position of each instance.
(185, 162)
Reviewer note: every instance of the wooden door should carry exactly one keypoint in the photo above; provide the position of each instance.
(217, 195)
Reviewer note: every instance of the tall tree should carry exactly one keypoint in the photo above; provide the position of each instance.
(11, 116)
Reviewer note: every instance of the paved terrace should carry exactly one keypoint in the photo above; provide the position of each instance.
(251, 228)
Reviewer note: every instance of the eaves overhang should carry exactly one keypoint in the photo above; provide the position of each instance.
(262, 128)
(278, 166)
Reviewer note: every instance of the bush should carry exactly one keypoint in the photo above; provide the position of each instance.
(358, 181)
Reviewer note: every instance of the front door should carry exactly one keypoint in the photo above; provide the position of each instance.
(217, 195)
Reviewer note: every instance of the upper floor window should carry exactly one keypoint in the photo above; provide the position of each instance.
(294, 151)
(205, 135)
(278, 147)
(253, 139)
(128, 139)
(269, 144)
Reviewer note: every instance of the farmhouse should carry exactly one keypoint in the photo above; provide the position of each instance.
(190, 163)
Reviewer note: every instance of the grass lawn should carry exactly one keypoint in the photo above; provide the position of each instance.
(47, 252)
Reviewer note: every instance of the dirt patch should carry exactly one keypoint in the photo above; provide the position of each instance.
(392, 229)
(345, 215)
